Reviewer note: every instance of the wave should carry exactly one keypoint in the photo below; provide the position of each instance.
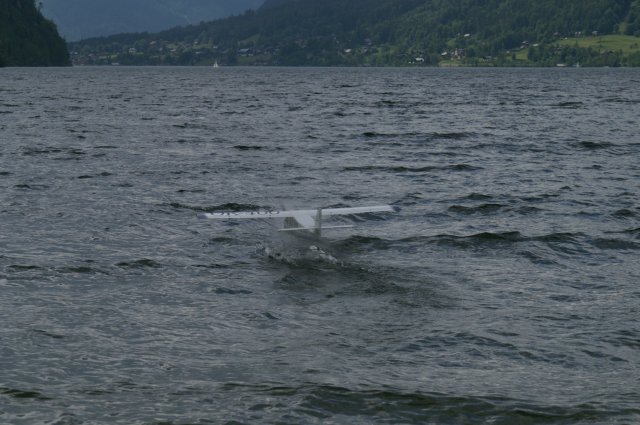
(478, 197)
(92, 176)
(478, 238)
(315, 402)
(528, 210)
(139, 264)
(248, 147)
(22, 268)
(227, 291)
(81, 270)
(40, 151)
(26, 186)
(615, 244)
(421, 136)
(68, 153)
(375, 134)
(358, 242)
(568, 105)
(633, 232)
(47, 334)
(232, 207)
(23, 394)
(405, 169)
(625, 338)
(411, 198)
(563, 237)
(624, 213)
(480, 209)
(620, 100)
(565, 242)
(557, 241)
(452, 135)
(463, 242)
(588, 145)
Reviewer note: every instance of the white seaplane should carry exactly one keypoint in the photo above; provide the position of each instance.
(300, 220)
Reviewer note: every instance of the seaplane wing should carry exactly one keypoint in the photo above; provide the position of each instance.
(310, 220)
(358, 210)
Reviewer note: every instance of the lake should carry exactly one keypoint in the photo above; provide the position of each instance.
(506, 290)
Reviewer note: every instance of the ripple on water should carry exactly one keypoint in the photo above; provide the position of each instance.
(502, 292)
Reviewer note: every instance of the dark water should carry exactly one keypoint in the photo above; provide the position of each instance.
(506, 290)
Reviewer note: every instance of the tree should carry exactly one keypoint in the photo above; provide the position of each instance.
(27, 38)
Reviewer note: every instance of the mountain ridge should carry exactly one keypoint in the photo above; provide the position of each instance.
(78, 19)
(270, 4)
(391, 32)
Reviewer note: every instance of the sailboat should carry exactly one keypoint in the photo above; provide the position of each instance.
(215, 64)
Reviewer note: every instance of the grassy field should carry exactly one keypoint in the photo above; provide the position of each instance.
(625, 43)
(521, 55)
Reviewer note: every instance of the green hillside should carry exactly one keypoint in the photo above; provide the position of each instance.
(27, 38)
(389, 32)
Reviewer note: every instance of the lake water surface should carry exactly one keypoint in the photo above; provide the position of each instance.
(505, 291)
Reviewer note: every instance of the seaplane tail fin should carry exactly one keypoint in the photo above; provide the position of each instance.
(304, 220)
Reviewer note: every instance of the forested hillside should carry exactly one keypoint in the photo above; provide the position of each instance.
(27, 38)
(394, 32)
